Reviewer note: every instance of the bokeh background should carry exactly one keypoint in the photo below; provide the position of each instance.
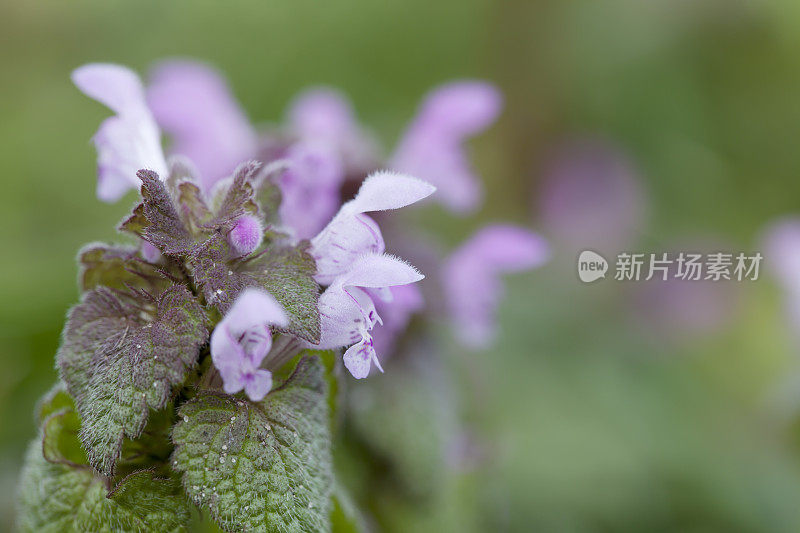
(606, 407)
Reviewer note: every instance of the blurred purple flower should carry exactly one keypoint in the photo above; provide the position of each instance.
(194, 105)
(432, 146)
(324, 116)
(352, 233)
(591, 199)
(128, 141)
(310, 187)
(782, 248)
(678, 309)
(781, 245)
(471, 277)
(242, 339)
(348, 312)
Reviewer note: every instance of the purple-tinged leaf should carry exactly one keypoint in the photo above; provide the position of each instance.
(165, 230)
(122, 355)
(118, 267)
(237, 198)
(284, 271)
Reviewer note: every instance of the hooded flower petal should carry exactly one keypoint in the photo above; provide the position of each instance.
(348, 313)
(194, 104)
(351, 233)
(242, 339)
(128, 141)
(310, 187)
(432, 145)
(258, 384)
(471, 277)
(359, 357)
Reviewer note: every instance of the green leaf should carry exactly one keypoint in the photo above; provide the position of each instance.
(121, 356)
(60, 442)
(56, 399)
(287, 272)
(136, 223)
(152, 450)
(193, 205)
(284, 271)
(117, 267)
(58, 498)
(157, 499)
(345, 517)
(260, 467)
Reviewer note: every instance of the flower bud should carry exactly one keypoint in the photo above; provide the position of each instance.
(246, 235)
(150, 253)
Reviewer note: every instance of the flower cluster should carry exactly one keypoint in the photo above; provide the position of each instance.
(319, 149)
(175, 385)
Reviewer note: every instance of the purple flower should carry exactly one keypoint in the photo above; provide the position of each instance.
(151, 253)
(782, 248)
(471, 277)
(348, 312)
(246, 235)
(782, 251)
(351, 233)
(591, 199)
(192, 102)
(323, 115)
(432, 146)
(128, 141)
(310, 187)
(242, 339)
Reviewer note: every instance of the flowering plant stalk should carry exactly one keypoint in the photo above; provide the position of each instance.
(204, 366)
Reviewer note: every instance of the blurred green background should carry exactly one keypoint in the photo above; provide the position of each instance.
(596, 422)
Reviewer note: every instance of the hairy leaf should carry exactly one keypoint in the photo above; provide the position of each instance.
(284, 271)
(165, 229)
(136, 223)
(238, 197)
(118, 267)
(287, 272)
(260, 467)
(193, 205)
(60, 499)
(121, 356)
